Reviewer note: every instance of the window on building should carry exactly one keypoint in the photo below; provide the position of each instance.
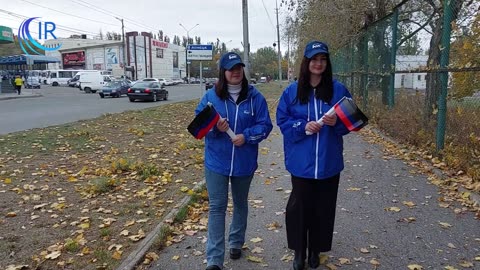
(419, 77)
(175, 59)
(159, 53)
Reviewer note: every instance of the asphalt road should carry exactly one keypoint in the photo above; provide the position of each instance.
(60, 105)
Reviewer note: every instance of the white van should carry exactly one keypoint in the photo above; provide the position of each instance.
(91, 82)
(59, 77)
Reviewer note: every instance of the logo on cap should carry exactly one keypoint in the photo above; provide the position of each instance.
(232, 56)
(316, 46)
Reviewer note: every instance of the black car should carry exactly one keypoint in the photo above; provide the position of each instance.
(209, 84)
(114, 89)
(151, 91)
(73, 82)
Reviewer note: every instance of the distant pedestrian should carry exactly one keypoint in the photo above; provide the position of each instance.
(18, 84)
(314, 161)
(231, 160)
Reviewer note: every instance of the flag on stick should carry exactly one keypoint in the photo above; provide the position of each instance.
(348, 112)
(204, 122)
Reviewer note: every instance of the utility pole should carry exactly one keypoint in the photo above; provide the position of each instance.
(278, 40)
(123, 45)
(288, 57)
(187, 66)
(246, 43)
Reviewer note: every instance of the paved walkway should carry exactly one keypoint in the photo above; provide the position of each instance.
(388, 217)
(26, 93)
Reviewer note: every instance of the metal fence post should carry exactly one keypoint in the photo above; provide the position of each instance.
(393, 56)
(444, 61)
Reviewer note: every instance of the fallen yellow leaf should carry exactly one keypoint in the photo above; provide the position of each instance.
(415, 267)
(255, 259)
(11, 214)
(53, 255)
(331, 266)
(256, 240)
(117, 255)
(445, 225)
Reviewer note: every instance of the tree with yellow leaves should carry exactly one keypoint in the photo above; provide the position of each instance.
(464, 52)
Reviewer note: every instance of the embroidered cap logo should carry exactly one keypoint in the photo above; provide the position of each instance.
(232, 56)
(25, 39)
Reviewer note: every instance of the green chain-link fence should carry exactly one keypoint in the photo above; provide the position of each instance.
(416, 73)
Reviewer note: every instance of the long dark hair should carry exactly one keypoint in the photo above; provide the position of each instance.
(221, 87)
(324, 88)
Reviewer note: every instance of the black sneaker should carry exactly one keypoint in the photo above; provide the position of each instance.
(213, 267)
(235, 253)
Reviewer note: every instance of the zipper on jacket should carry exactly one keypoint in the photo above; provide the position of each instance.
(234, 131)
(318, 135)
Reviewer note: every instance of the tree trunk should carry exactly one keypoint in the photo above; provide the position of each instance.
(433, 79)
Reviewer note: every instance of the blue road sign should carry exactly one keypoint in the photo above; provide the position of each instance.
(199, 52)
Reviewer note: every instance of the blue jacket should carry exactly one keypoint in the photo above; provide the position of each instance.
(250, 118)
(316, 156)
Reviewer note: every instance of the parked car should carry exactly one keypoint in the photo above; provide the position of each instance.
(114, 89)
(90, 82)
(73, 82)
(32, 82)
(169, 82)
(149, 90)
(162, 82)
(209, 83)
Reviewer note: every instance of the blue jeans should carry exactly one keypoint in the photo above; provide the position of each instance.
(217, 187)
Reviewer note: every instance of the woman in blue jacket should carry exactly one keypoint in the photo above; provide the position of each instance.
(244, 110)
(313, 154)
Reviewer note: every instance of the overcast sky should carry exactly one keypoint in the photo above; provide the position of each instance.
(216, 18)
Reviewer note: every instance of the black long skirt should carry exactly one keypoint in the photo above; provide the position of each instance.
(310, 213)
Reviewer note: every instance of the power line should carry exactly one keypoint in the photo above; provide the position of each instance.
(69, 14)
(268, 15)
(107, 12)
(64, 28)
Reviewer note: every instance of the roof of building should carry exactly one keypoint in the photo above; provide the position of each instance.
(23, 59)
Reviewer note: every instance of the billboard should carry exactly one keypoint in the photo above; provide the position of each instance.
(75, 60)
(6, 35)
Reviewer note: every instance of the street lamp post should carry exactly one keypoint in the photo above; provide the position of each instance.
(123, 44)
(187, 67)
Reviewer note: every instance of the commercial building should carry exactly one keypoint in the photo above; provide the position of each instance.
(145, 56)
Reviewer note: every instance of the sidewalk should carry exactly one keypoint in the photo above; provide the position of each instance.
(26, 93)
(388, 217)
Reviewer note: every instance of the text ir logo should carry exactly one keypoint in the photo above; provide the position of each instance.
(26, 40)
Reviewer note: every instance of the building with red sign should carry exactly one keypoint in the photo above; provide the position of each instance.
(145, 56)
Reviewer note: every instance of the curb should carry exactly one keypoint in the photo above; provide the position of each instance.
(20, 96)
(136, 256)
(475, 197)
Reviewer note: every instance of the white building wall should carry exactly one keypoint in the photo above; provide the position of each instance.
(92, 55)
(410, 80)
(163, 67)
(101, 57)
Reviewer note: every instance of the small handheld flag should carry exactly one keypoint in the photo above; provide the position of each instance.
(348, 112)
(204, 122)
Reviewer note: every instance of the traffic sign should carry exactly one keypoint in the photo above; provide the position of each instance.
(199, 52)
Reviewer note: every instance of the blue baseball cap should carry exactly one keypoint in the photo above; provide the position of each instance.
(229, 60)
(315, 47)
